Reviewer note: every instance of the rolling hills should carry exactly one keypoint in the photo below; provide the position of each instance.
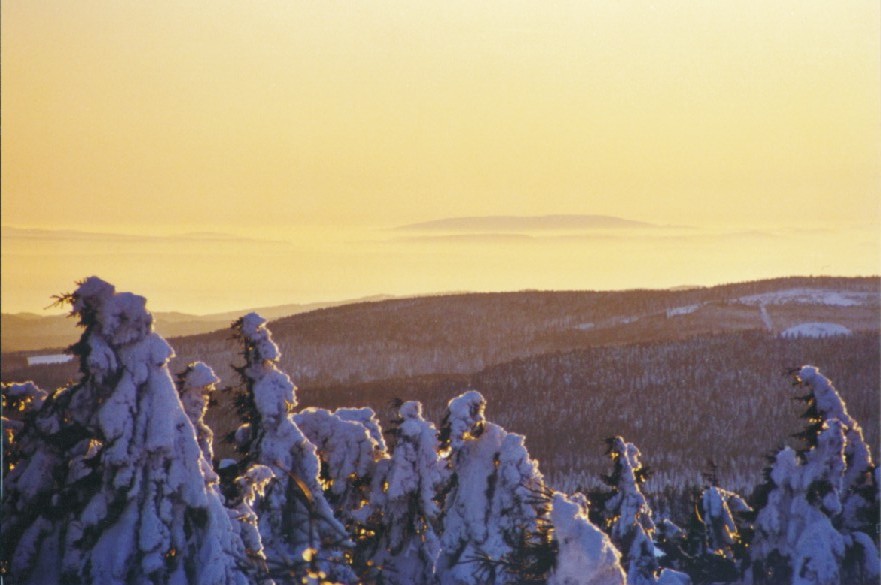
(688, 375)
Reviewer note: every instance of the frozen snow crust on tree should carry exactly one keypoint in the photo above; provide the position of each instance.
(498, 525)
(821, 510)
(299, 532)
(112, 489)
(110, 480)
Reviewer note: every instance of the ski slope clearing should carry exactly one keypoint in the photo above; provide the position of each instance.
(808, 296)
(816, 330)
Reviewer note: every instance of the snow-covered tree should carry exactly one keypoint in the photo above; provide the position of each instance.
(248, 487)
(300, 535)
(491, 508)
(349, 455)
(407, 506)
(353, 457)
(811, 519)
(770, 553)
(721, 509)
(859, 489)
(21, 401)
(716, 544)
(585, 555)
(625, 512)
(195, 385)
(111, 489)
(626, 517)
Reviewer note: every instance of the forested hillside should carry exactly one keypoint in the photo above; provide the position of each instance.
(689, 374)
(465, 333)
(723, 397)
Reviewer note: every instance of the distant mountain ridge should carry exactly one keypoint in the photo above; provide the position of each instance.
(514, 223)
(30, 331)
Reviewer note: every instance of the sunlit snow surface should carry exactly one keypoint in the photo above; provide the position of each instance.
(686, 310)
(809, 296)
(42, 360)
(816, 330)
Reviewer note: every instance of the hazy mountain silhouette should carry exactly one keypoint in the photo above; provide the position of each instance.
(513, 223)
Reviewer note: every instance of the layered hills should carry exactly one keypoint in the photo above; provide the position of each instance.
(688, 375)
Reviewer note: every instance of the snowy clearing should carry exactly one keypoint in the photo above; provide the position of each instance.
(808, 296)
(686, 310)
(41, 360)
(816, 330)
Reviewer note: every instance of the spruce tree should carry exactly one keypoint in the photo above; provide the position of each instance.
(491, 507)
(354, 460)
(21, 401)
(625, 515)
(112, 490)
(407, 505)
(716, 545)
(585, 555)
(349, 454)
(814, 515)
(301, 537)
(195, 385)
(859, 489)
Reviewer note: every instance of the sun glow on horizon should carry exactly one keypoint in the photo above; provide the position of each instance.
(300, 135)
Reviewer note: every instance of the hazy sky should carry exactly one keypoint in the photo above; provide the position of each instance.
(308, 121)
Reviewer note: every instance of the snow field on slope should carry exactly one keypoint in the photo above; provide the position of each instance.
(808, 296)
(816, 330)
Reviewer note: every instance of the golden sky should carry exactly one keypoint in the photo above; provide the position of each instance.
(319, 125)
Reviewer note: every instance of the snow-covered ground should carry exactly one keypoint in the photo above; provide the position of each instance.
(41, 360)
(686, 310)
(809, 296)
(816, 330)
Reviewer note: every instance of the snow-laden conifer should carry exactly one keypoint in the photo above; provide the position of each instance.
(627, 517)
(349, 455)
(240, 508)
(300, 535)
(716, 543)
(353, 457)
(21, 401)
(112, 490)
(810, 525)
(858, 489)
(719, 508)
(770, 552)
(407, 507)
(626, 513)
(794, 536)
(492, 506)
(196, 384)
(585, 555)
